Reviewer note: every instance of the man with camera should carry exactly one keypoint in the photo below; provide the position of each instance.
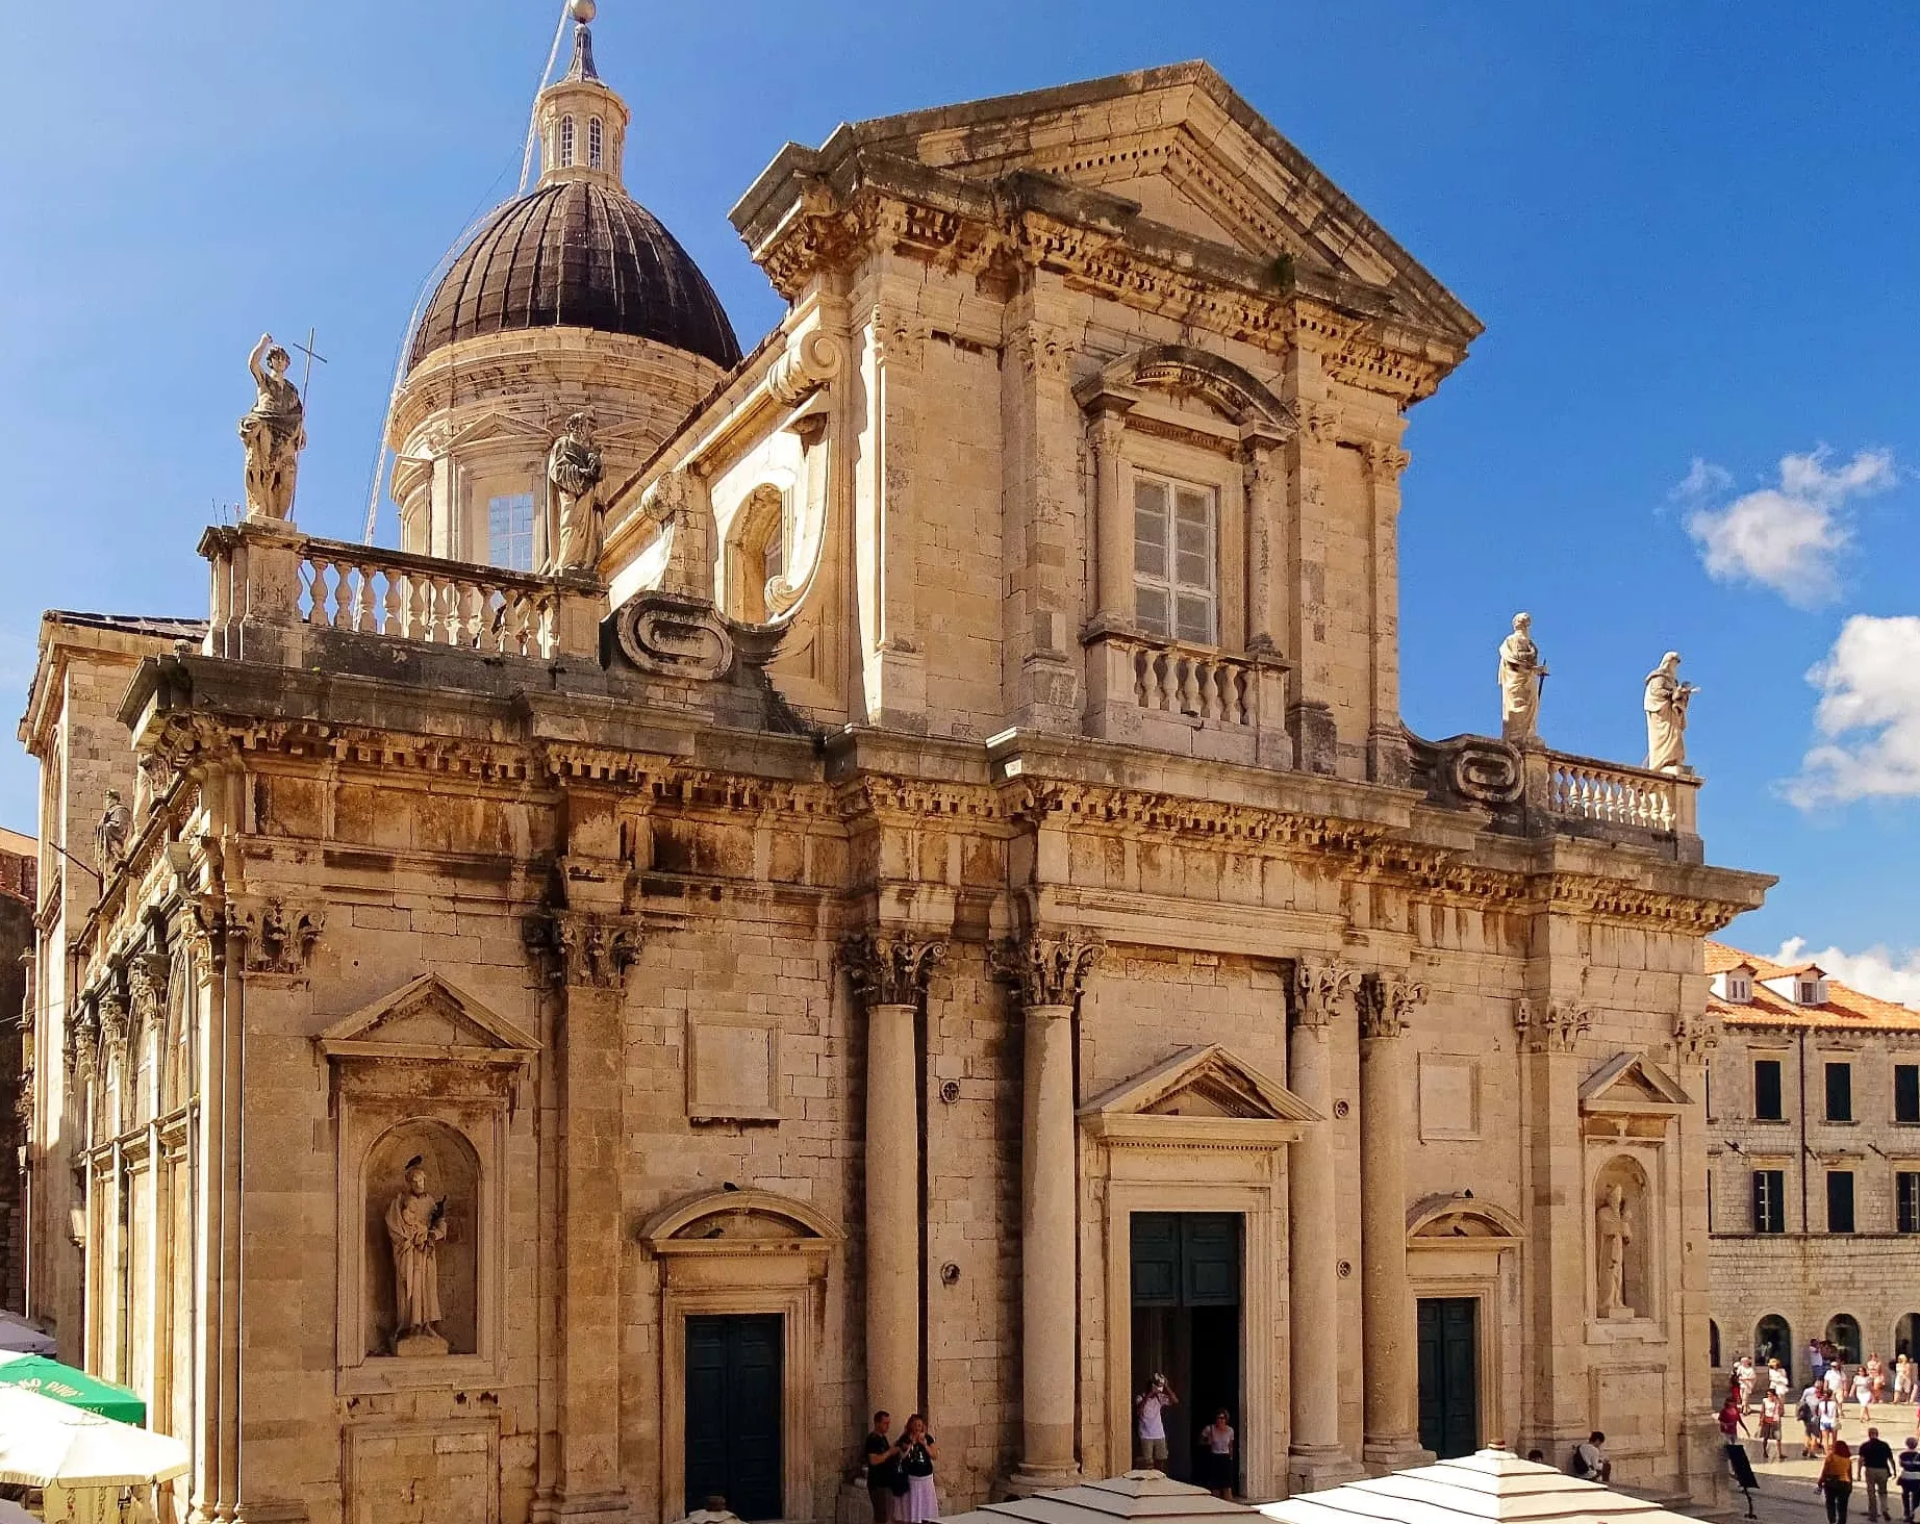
(1150, 1421)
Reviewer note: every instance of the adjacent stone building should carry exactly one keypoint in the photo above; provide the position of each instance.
(941, 912)
(19, 868)
(1813, 1115)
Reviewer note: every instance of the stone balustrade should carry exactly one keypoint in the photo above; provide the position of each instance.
(1607, 793)
(274, 588)
(1189, 699)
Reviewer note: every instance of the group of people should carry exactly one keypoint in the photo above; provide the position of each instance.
(1214, 1465)
(1875, 1464)
(900, 1471)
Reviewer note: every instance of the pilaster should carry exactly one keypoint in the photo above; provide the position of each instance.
(1387, 756)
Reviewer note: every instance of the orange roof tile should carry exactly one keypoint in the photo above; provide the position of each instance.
(1846, 1008)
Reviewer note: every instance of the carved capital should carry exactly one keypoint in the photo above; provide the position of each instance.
(1323, 421)
(114, 1024)
(1385, 462)
(1321, 991)
(1047, 970)
(1259, 469)
(82, 1040)
(23, 1099)
(891, 968)
(1387, 1004)
(277, 935)
(147, 976)
(1556, 1027)
(1043, 352)
(584, 949)
(1695, 1037)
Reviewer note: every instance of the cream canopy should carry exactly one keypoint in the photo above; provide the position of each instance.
(44, 1443)
(1139, 1495)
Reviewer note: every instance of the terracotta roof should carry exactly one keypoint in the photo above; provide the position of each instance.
(1845, 1009)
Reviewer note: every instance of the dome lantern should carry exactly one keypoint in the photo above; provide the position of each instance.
(581, 121)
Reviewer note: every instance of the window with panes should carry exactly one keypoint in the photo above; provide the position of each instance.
(1906, 1201)
(594, 139)
(1769, 1201)
(566, 140)
(510, 530)
(1176, 560)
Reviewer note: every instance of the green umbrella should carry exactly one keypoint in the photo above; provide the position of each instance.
(36, 1373)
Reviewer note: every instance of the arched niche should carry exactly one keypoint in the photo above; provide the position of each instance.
(452, 1167)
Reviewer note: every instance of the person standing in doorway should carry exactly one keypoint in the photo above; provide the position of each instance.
(918, 1452)
(1218, 1440)
(883, 1466)
(1835, 1481)
(1150, 1421)
(1876, 1469)
(1910, 1477)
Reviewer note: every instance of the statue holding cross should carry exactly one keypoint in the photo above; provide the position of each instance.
(274, 432)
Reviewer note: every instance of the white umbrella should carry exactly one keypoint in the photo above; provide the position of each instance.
(44, 1443)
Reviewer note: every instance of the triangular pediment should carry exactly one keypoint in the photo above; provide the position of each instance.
(492, 427)
(1182, 147)
(429, 1017)
(1208, 1082)
(1631, 1082)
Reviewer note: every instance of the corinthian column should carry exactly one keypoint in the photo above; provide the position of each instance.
(1047, 974)
(1387, 1001)
(1315, 1459)
(891, 970)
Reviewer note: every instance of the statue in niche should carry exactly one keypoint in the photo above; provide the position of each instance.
(1666, 704)
(574, 469)
(1611, 1234)
(274, 433)
(110, 835)
(417, 1224)
(1521, 675)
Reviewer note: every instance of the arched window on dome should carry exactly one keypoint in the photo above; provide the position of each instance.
(593, 142)
(566, 141)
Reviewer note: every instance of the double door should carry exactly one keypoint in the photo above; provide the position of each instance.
(1449, 1352)
(733, 1413)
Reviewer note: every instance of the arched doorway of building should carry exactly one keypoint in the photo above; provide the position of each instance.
(1906, 1335)
(1713, 1344)
(1773, 1340)
(1843, 1333)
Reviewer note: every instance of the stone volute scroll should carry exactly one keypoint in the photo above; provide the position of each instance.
(1666, 702)
(273, 433)
(1522, 676)
(574, 470)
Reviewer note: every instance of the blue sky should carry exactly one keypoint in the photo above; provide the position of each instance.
(1690, 230)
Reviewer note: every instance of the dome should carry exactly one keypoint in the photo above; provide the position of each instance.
(580, 253)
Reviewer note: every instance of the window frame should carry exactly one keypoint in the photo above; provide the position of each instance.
(566, 141)
(596, 143)
(1906, 1201)
(1177, 492)
(510, 500)
(1779, 1112)
(1842, 1070)
(1835, 1205)
(1769, 1200)
(1910, 1073)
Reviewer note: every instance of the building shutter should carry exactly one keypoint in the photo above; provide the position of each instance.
(1766, 1090)
(1839, 1092)
(1840, 1201)
(1906, 1092)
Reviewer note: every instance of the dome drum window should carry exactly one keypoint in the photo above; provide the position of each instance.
(566, 141)
(594, 142)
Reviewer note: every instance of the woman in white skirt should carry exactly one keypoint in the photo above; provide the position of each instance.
(918, 1452)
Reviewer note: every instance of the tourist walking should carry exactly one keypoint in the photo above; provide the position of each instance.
(1733, 1422)
(1910, 1477)
(1744, 1376)
(1809, 1415)
(1150, 1421)
(1863, 1394)
(1835, 1481)
(918, 1452)
(1876, 1468)
(883, 1466)
(1830, 1424)
(1772, 1411)
(1217, 1439)
(1778, 1380)
(1876, 1378)
(1902, 1378)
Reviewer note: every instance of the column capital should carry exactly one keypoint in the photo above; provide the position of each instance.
(1385, 462)
(584, 949)
(1387, 1004)
(891, 967)
(1695, 1036)
(1047, 970)
(1555, 1026)
(1321, 989)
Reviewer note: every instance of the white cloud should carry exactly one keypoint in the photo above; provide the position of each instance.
(1868, 714)
(1875, 971)
(1786, 536)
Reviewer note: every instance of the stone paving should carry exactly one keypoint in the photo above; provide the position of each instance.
(1786, 1487)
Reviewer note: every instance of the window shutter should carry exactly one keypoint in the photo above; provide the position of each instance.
(1766, 1089)
(1759, 1201)
(1840, 1201)
(1839, 1092)
(1906, 1092)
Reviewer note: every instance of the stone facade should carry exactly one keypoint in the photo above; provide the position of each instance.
(1787, 1273)
(964, 830)
(19, 898)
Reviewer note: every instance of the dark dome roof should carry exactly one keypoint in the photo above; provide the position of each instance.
(577, 254)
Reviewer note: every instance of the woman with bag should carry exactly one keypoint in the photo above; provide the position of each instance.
(918, 1502)
(1835, 1481)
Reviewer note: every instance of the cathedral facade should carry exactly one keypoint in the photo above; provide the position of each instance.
(885, 872)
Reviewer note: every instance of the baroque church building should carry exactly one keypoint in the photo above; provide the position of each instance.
(883, 872)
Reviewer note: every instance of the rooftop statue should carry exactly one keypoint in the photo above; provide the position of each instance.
(1666, 704)
(1521, 675)
(574, 468)
(274, 433)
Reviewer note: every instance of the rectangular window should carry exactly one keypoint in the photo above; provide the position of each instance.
(1839, 1092)
(1906, 1200)
(1175, 574)
(1839, 1201)
(1769, 1201)
(510, 531)
(1766, 1090)
(1906, 1092)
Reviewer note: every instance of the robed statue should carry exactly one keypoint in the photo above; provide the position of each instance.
(1521, 675)
(1666, 704)
(1612, 1233)
(111, 833)
(417, 1225)
(574, 469)
(274, 433)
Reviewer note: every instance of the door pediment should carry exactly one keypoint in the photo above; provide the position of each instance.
(1631, 1084)
(429, 1018)
(1199, 1097)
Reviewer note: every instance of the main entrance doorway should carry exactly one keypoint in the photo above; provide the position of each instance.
(733, 1413)
(1449, 1349)
(1186, 1321)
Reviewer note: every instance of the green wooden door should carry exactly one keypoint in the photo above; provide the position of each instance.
(733, 1413)
(1448, 1339)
